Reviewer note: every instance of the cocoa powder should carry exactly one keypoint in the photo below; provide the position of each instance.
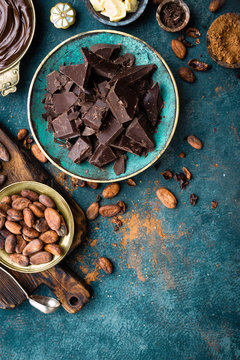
(224, 38)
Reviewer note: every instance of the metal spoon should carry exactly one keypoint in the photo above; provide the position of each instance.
(45, 304)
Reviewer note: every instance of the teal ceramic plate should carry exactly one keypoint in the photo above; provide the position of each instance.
(69, 51)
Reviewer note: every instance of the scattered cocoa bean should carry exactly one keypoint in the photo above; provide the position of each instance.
(167, 174)
(30, 232)
(53, 249)
(41, 225)
(182, 155)
(6, 200)
(193, 32)
(131, 182)
(33, 247)
(186, 74)
(215, 5)
(194, 142)
(41, 257)
(62, 231)
(193, 199)
(53, 218)
(92, 185)
(181, 178)
(13, 227)
(198, 65)
(166, 197)
(179, 49)
(20, 203)
(49, 237)
(188, 44)
(109, 210)
(111, 191)
(19, 259)
(38, 153)
(46, 201)
(106, 265)
(214, 204)
(4, 154)
(22, 134)
(187, 173)
(21, 243)
(29, 194)
(27, 142)
(122, 205)
(10, 244)
(36, 211)
(92, 211)
(28, 217)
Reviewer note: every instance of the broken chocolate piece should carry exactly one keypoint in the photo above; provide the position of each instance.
(153, 104)
(63, 101)
(103, 155)
(126, 144)
(55, 81)
(63, 128)
(96, 114)
(88, 131)
(139, 131)
(106, 51)
(133, 74)
(79, 73)
(110, 131)
(119, 166)
(80, 151)
(122, 101)
(125, 60)
(103, 88)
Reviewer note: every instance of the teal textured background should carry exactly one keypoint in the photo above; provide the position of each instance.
(174, 293)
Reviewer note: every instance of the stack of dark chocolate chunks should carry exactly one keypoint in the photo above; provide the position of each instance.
(104, 107)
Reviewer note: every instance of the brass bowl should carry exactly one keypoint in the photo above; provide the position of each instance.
(10, 76)
(185, 9)
(219, 62)
(65, 242)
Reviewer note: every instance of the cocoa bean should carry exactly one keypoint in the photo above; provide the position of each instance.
(41, 225)
(179, 49)
(92, 185)
(166, 197)
(193, 32)
(111, 190)
(28, 217)
(3, 209)
(20, 203)
(2, 242)
(33, 247)
(4, 154)
(28, 239)
(215, 5)
(46, 201)
(131, 182)
(53, 218)
(29, 194)
(19, 259)
(194, 142)
(198, 65)
(122, 206)
(4, 232)
(22, 134)
(41, 257)
(39, 205)
(186, 74)
(14, 197)
(49, 237)
(13, 227)
(106, 265)
(27, 142)
(6, 200)
(38, 153)
(62, 231)
(2, 222)
(187, 173)
(30, 232)
(16, 215)
(109, 210)
(53, 249)
(21, 243)
(36, 210)
(92, 211)
(10, 244)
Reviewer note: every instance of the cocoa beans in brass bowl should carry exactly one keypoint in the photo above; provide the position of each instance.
(36, 227)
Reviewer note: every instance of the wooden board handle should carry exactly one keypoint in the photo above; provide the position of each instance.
(70, 289)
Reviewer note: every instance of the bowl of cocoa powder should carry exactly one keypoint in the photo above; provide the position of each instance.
(223, 40)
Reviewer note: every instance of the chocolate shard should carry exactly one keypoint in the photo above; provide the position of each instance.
(106, 51)
(141, 87)
(153, 104)
(103, 88)
(103, 155)
(85, 106)
(96, 114)
(63, 128)
(81, 150)
(124, 143)
(63, 101)
(110, 131)
(127, 60)
(139, 131)
(122, 101)
(101, 67)
(132, 74)
(55, 81)
(79, 73)
(119, 166)
(88, 131)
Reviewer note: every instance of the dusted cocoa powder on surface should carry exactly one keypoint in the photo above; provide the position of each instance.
(224, 37)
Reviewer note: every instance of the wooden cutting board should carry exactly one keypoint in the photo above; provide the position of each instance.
(69, 288)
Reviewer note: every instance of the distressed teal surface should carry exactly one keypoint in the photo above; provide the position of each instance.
(174, 294)
(70, 52)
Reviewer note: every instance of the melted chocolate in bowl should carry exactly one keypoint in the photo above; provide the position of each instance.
(16, 26)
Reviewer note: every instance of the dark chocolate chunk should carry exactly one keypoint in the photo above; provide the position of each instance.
(119, 166)
(103, 88)
(106, 51)
(132, 74)
(139, 131)
(103, 155)
(88, 131)
(80, 151)
(110, 131)
(100, 66)
(63, 128)
(55, 81)
(153, 104)
(125, 60)
(96, 114)
(123, 102)
(85, 107)
(63, 101)
(126, 144)
(79, 73)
